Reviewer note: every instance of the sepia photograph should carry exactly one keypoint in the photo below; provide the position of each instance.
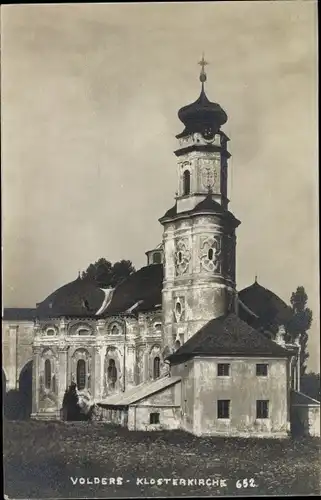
(160, 250)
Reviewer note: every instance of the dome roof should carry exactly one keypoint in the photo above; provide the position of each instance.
(79, 298)
(201, 114)
(266, 305)
(142, 289)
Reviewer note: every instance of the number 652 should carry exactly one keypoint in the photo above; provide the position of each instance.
(245, 483)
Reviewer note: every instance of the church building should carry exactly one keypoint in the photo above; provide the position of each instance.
(176, 345)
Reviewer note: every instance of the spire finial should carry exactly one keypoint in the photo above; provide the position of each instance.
(256, 278)
(78, 274)
(203, 63)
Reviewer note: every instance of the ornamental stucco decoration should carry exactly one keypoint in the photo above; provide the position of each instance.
(208, 174)
(182, 257)
(210, 254)
(179, 309)
(80, 328)
(115, 328)
(185, 165)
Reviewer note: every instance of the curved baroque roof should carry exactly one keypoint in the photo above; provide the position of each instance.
(79, 298)
(265, 304)
(142, 289)
(200, 114)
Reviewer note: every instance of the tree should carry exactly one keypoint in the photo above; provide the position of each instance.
(300, 323)
(106, 274)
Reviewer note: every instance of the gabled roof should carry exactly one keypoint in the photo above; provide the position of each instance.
(141, 391)
(18, 314)
(228, 335)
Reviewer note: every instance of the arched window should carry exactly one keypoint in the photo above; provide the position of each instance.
(177, 345)
(47, 374)
(187, 182)
(83, 331)
(156, 370)
(115, 330)
(178, 308)
(81, 374)
(210, 253)
(112, 373)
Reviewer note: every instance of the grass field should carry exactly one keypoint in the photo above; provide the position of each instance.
(40, 458)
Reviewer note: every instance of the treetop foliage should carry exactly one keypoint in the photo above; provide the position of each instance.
(106, 274)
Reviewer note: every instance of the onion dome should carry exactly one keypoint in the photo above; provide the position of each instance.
(80, 298)
(202, 115)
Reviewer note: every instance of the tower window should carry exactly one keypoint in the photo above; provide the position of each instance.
(223, 408)
(178, 308)
(262, 409)
(179, 257)
(81, 374)
(156, 367)
(187, 182)
(47, 374)
(112, 373)
(157, 259)
(210, 253)
(154, 418)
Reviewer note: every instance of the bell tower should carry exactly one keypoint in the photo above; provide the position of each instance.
(199, 232)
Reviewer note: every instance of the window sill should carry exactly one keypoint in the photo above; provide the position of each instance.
(226, 420)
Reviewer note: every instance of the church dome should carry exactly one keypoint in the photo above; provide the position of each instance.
(202, 115)
(79, 298)
(141, 291)
(266, 305)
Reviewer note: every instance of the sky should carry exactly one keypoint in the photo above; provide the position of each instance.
(90, 95)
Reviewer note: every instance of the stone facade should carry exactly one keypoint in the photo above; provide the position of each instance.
(116, 354)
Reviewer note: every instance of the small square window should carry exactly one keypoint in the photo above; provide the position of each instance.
(261, 370)
(223, 408)
(154, 418)
(223, 370)
(262, 409)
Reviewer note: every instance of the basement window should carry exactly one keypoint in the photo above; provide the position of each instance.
(154, 418)
(223, 370)
(261, 370)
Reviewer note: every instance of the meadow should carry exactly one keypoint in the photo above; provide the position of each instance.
(44, 459)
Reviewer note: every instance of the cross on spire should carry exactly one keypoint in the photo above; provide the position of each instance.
(203, 63)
